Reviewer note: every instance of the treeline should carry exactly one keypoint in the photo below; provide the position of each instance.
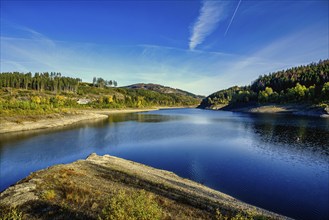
(21, 101)
(48, 93)
(100, 82)
(39, 81)
(308, 83)
(310, 75)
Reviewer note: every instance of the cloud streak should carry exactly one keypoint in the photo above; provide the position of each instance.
(229, 25)
(211, 13)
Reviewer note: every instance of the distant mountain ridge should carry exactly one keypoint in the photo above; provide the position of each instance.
(162, 89)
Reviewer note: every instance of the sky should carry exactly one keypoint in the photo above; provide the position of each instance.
(198, 46)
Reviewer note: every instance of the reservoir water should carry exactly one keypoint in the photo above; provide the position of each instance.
(277, 162)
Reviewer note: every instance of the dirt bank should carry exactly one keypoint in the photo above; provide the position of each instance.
(57, 120)
(81, 190)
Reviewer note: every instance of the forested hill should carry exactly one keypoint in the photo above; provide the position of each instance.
(303, 84)
(49, 92)
(162, 89)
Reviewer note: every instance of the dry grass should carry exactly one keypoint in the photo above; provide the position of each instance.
(10, 213)
(133, 205)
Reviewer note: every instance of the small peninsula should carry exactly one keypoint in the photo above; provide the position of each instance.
(107, 187)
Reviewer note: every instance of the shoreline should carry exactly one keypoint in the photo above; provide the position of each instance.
(62, 120)
(58, 120)
(289, 109)
(77, 116)
(91, 181)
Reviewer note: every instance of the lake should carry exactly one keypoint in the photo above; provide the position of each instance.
(277, 162)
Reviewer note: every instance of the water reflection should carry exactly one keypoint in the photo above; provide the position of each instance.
(142, 117)
(277, 162)
(301, 134)
(12, 137)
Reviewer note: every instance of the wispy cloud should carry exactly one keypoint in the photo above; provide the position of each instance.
(229, 25)
(211, 13)
(201, 72)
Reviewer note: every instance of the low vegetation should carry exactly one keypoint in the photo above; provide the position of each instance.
(10, 213)
(304, 84)
(26, 98)
(137, 205)
(44, 93)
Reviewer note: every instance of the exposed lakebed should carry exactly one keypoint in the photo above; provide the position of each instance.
(277, 162)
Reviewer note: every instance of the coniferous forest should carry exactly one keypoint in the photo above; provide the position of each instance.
(303, 84)
(40, 81)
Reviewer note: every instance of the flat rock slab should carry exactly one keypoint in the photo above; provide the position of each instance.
(102, 176)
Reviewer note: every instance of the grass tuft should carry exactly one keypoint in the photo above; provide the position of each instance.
(49, 194)
(135, 205)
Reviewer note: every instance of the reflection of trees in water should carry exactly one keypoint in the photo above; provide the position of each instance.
(112, 119)
(310, 134)
(150, 118)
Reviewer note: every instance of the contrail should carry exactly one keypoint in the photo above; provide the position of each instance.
(229, 25)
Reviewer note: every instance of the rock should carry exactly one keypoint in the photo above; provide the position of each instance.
(83, 188)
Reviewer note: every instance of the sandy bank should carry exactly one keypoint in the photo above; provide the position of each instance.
(58, 120)
(81, 189)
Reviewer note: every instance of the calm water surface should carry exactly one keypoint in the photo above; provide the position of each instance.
(277, 162)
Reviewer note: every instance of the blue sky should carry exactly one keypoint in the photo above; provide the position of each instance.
(198, 46)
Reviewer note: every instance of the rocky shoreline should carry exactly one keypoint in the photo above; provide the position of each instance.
(80, 190)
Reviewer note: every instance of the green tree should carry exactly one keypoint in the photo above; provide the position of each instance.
(265, 96)
(325, 92)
